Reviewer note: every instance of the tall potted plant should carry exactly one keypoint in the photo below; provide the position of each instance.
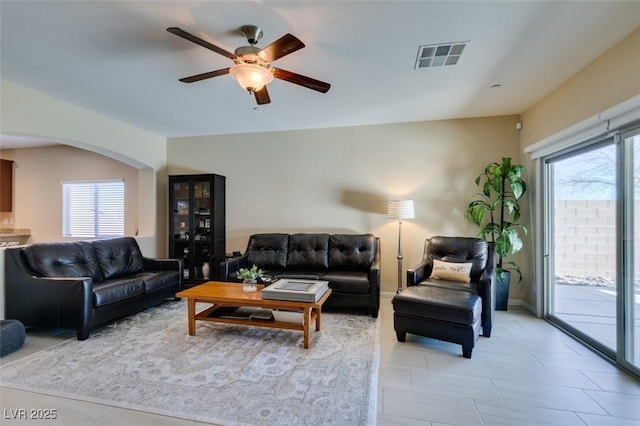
(496, 211)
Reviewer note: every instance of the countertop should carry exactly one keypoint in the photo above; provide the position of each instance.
(14, 236)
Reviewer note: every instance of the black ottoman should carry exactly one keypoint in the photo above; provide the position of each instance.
(11, 336)
(440, 313)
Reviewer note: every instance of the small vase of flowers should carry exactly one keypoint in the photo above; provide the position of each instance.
(249, 278)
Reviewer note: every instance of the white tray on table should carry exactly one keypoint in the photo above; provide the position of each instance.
(296, 289)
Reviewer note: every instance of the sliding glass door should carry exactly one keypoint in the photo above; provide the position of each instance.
(629, 333)
(592, 246)
(583, 207)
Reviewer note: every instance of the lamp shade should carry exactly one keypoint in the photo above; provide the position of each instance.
(250, 76)
(401, 209)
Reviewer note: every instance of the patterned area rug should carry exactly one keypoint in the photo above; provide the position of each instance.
(225, 374)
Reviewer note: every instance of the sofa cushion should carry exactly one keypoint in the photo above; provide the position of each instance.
(115, 290)
(451, 285)
(67, 259)
(268, 251)
(459, 307)
(119, 257)
(300, 275)
(348, 281)
(351, 252)
(453, 271)
(308, 252)
(158, 280)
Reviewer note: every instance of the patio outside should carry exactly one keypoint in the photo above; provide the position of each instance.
(589, 305)
(585, 270)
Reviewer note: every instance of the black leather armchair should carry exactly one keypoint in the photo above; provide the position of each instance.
(445, 308)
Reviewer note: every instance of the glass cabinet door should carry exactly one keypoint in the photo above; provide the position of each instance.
(202, 211)
(181, 211)
(180, 218)
(201, 229)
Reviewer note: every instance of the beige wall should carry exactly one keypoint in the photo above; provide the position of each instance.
(339, 180)
(609, 80)
(26, 112)
(38, 173)
(31, 113)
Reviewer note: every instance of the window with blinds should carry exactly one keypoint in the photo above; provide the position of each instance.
(93, 209)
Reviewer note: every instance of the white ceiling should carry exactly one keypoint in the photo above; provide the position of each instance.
(117, 59)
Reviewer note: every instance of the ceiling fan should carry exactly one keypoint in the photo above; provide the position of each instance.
(252, 65)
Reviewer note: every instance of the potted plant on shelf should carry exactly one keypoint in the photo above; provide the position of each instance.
(249, 278)
(496, 211)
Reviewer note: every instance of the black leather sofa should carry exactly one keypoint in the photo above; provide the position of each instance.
(85, 284)
(349, 262)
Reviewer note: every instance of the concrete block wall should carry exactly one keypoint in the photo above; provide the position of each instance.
(585, 238)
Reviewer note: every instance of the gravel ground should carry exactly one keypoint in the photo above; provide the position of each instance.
(590, 281)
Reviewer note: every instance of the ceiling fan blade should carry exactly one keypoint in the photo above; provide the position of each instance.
(205, 75)
(197, 40)
(262, 96)
(283, 46)
(301, 80)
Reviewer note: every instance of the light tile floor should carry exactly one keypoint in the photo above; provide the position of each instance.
(527, 373)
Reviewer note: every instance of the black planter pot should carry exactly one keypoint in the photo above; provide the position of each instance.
(502, 290)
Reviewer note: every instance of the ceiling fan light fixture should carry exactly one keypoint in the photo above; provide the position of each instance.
(251, 77)
(251, 67)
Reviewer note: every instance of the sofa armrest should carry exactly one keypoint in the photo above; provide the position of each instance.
(232, 265)
(374, 281)
(487, 291)
(62, 302)
(374, 270)
(71, 297)
(157, 264)
(153, 264)
(418, 273)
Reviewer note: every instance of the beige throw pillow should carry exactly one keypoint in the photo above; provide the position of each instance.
(451, 271)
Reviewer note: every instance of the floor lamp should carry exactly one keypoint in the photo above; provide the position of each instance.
(400, 209)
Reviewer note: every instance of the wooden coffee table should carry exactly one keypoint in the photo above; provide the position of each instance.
(224, 294)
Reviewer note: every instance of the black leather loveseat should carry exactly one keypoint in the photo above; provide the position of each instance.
(85, 284)
(349, 262)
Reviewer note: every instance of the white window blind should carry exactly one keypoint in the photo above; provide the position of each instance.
(93, 209)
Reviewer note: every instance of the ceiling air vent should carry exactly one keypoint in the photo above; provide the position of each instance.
(438, 55)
